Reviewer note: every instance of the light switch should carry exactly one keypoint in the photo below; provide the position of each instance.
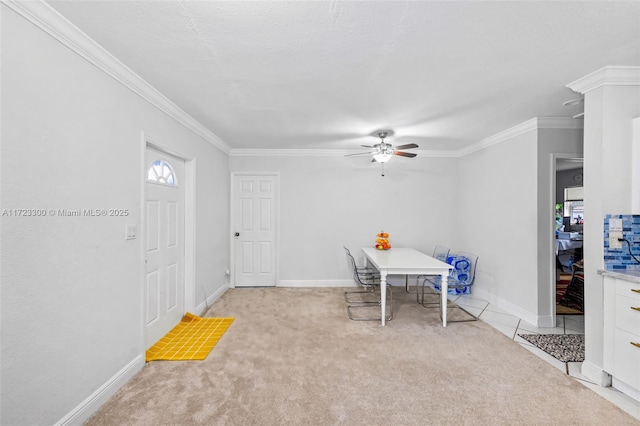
(130, 233)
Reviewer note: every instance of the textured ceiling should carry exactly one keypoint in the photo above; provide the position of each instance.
(329, 74)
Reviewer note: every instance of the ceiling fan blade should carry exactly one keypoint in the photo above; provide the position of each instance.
(407, 146)
(405, 154)
(368, 146)
(373, 160)
(358, 153)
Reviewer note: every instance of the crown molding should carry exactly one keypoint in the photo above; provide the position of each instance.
(607, 76)
(50, 21)
(533, 124)
(522, 128)
(320, 153)
(559, 123)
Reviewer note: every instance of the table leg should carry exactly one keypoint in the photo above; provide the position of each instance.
(444, 289)
(383, 295)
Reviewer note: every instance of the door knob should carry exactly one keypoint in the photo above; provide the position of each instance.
(237, 234)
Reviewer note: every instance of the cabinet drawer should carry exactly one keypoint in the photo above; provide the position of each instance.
(627, 289)
(628, 314)
(627, 356)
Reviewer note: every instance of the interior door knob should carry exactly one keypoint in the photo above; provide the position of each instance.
(237, 234)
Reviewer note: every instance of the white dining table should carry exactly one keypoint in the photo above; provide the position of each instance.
(406, 261)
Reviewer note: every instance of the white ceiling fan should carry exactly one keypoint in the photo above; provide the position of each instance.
(383, 151)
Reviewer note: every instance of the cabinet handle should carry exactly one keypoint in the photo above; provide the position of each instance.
(635, 290)
(637, 345)
(635, 308)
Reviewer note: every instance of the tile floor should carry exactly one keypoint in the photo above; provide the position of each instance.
(511, 326)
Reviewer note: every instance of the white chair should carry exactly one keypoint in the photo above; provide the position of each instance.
(368, 280)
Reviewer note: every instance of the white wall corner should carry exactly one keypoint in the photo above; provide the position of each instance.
(509, 307)
(595, 374)
(209, 300)
(90, 405)
(57, 26)
(635, 170)
(607, 76)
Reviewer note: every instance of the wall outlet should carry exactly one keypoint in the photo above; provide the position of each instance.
(615, 232)
(614, 243)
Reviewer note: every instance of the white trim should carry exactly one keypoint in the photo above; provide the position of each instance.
(527, 126)
(232, 255)
(514, 310)
(522, 128)
(626, 389)
(533, 124)
(50, 21)
(595, 373)
(551, 277)
(93, 402)
(607, 76)
(559, 123)
(316, 283)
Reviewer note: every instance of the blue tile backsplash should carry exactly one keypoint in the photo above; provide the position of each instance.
(620, 259)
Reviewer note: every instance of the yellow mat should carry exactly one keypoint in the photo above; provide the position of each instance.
(192, 339)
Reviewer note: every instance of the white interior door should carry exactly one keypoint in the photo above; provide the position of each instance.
(164, 245)
(255, 233)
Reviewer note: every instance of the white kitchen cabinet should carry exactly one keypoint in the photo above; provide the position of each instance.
(621, 356)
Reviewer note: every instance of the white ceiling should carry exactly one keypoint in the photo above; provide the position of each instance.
(329, 74)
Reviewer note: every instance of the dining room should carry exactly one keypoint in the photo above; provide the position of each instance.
(251, 88)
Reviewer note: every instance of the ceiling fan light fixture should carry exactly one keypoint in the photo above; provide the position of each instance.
(382, 157)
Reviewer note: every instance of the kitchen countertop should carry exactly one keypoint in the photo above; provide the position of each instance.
(631, 276)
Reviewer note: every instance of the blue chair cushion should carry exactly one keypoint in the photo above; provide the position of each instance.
(458, 276)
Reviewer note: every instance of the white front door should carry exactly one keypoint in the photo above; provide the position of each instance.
(164, 245)
(255, 220)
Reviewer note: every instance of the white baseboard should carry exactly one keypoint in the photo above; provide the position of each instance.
(511, 308)
(316, 283)
(201, 308)
(595, 374)
(89, 406)
(626, 389)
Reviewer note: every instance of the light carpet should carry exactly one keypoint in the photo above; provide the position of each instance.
(293, 357)
(192, 339)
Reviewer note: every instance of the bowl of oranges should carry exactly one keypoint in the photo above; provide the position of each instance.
(382, 242)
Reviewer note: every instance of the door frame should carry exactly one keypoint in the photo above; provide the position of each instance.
(552, 230)
(232, 247)
(148, 141)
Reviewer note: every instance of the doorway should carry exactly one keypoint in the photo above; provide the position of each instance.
(254, 226)
(568, 291)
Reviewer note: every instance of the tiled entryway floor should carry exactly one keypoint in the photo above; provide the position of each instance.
(511, 326)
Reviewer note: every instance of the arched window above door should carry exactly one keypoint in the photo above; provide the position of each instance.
(162, 172)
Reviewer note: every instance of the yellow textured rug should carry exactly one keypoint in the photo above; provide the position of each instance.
(192, 339)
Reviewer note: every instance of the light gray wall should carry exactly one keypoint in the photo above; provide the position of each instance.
(71, 307)
(497, 219)
(331, 201)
